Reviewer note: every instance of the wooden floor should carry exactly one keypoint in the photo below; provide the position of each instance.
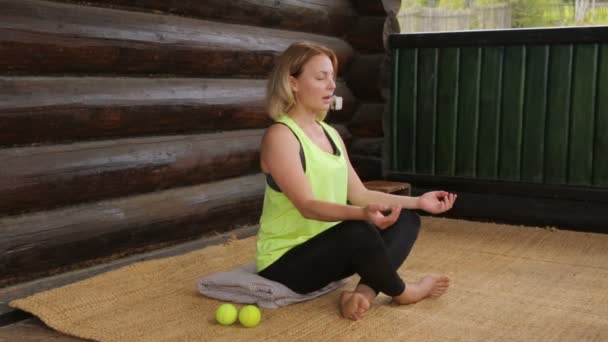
(27, 328)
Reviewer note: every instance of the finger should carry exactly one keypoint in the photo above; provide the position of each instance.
(446, 202)
(379, 220)
(452, 200)
(391, 218)
(386, 222)
(376, 218)
(440, 194)
(394, 216)
(382, 225)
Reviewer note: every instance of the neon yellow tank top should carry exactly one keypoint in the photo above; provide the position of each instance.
(282, 227)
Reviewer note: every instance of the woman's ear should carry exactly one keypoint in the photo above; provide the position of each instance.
(293, 83)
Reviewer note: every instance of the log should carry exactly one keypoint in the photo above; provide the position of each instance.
(332, 18)
(40, 110)
(58, 110)
(344, 134)
(37, 244)
(10, 315)
(368, 168)
(364, 77)
(366, 35)
(45, 177)
(33, 330)
(369, 7)
(367, 121)
(368, 147)
(39, 37)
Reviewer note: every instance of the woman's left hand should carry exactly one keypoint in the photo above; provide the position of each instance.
(375, 215)
(436, 202)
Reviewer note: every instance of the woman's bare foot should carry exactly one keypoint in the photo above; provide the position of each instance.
(430, 286)
(353, 305)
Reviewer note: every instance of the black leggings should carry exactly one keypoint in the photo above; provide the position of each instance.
(345, 249)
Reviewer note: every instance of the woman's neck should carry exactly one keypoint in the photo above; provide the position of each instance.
(306, 119)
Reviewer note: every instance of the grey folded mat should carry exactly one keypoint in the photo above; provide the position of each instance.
(244, 285)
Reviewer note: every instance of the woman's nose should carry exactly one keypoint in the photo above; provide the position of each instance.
(332, 83)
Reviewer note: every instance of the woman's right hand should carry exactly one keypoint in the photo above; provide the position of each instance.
(374, 215)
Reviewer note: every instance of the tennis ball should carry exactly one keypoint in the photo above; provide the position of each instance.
(226, 314)
(250, 316)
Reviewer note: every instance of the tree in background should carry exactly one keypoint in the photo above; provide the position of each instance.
(414, 3)
(453, 4)
(580, 9)
(532, 13)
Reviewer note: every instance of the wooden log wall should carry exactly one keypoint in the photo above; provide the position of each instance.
(126, 125)
(368, 78)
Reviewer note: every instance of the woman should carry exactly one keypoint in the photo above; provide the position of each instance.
(319, 223)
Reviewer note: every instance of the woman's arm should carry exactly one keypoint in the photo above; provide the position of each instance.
(280, 157)
(434, 202)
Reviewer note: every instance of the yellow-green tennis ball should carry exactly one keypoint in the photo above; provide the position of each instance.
(226, 314)
(250, 316)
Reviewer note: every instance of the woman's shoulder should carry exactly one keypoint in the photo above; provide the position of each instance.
(278, 133)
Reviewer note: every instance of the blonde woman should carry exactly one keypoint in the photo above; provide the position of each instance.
(319, 223)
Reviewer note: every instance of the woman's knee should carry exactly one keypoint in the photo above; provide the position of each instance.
(361, 234)
(409, 221)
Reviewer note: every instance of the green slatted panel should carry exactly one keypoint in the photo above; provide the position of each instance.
(557, 126)
(394, 123)
(600, 154)
(489, 112)
(447, 108)
(468, 111)
(512, 112)
(528, 113)
(580, 154)
(406, 112)
(535, 110)
(427, 106)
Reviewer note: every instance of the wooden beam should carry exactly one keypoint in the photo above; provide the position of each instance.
(332, 18)
(527, 210)
(10, 315)
(571, 207)
(369, 147)
(42, 110)
(55, 110)
(366, 35)
(368, 168)
(369, 7)
(33, 330)
(364, 77)
(44, 177)
(511, 188)
(40, 37)
(367, 121)
(39, 243)
(344, 134)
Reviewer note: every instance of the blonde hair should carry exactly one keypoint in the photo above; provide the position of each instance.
(279, 95)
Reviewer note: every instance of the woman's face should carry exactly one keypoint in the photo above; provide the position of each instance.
(315, 85)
